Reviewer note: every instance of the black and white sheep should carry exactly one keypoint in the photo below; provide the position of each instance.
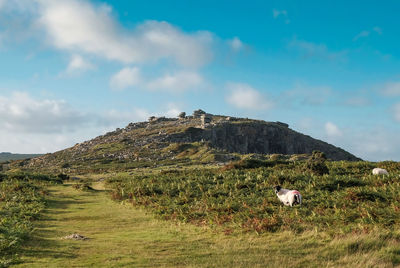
(288, 197)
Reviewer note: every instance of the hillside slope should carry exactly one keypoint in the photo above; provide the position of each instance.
(204, 138)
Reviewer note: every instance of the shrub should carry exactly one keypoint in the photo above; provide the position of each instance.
(317, 164)
(182, 115)
(21, 201)
(63, 176)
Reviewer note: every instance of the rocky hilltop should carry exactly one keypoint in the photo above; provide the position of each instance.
(201, 136)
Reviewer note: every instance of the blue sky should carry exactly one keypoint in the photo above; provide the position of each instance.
(73, 69)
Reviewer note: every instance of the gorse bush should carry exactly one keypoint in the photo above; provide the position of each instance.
(243, 199)
(316, 164)
(21, 201)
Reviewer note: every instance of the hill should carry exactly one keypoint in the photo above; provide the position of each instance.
(6, 156)
(200, 138)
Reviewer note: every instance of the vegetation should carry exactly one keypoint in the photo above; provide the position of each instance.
(21, 201)
(217, 216)
(316, 164)
(123, 236)
(347, 200)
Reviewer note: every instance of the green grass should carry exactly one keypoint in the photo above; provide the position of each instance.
(121, 235)
(221, 218)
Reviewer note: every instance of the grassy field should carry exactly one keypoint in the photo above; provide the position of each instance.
(121, 235)
(221, 217)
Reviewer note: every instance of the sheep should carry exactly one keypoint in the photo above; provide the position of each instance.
(288, 197)
(379, 171)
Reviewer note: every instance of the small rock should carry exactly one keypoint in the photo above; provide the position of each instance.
(75, 237)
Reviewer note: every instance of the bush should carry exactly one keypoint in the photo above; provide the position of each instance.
(63, 176)
(317, 164)
(21, 201)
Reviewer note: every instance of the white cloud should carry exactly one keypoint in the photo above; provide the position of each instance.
(236, 44)
(332, 130)
(173, 110)
(82, 27)
(78, 64)
(177, 82)
(127, 77)
(32, 125)
(374, 142)
(22, 113)
(114, 118)
(396, 111)
(243, 96)
(19, 5)
(391, 89)
(281, 13)
(312, 50)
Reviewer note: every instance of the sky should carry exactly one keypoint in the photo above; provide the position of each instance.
(71, 70)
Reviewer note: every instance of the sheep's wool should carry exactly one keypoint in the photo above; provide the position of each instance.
(288, 197)
(379, 171)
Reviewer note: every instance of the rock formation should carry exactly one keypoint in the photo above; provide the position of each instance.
(215, 134)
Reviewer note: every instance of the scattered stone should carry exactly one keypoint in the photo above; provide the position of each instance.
(75, 237)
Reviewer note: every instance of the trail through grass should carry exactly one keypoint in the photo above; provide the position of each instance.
(123, 236)
(118, 234)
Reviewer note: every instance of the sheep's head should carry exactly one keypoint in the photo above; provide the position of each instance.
(277, 188)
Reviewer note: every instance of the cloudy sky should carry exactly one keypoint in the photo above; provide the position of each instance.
(73, 69)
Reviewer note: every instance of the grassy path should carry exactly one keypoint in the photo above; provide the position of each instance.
(122, 236)
(119, 235)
